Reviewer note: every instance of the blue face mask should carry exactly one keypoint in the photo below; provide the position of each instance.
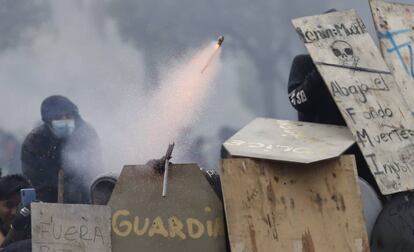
(63, 128)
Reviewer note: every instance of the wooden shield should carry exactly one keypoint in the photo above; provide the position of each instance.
(290, 141)
(273, 206)
(65, 227)
(366, 94)
(395, 26)
(189, 218)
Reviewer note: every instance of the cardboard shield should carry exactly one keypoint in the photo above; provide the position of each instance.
(189, 218)
(65, 227)
(366, 94)
(274, 206)
(290, 141)
(395, 26)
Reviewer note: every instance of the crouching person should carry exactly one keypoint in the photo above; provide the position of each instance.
(14, 222)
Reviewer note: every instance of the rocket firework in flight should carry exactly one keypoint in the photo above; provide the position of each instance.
(219, 43)
(220, 40)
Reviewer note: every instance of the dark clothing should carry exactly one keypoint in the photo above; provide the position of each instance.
(4, 229)
(310, 96)
(14, 236)
(21, 230)
(12, 184)
(20, 246)
(43, 155)
(57, 106)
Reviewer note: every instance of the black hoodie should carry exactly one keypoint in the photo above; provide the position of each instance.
(43, 154)
(310, 96)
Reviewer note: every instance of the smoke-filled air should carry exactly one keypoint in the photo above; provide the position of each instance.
(88, 62)
(160, 125)
(147, 129)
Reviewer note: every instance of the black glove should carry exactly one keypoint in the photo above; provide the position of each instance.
(22, 220)
(158, 165)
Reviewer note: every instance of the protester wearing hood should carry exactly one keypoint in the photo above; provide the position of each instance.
(310, 96)
(14, 224)
(64, 141)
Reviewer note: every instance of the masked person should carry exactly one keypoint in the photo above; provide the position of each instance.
(64, 141)
(14, 224)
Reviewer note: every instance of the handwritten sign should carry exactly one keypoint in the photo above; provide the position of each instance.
(190, 218)
(289, 141)
(395, 26)
(70, 228)
(366, 94)
(275, 206)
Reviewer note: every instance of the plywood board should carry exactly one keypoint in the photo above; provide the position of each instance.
(65, 227)
(190, 218)
(273, 206)
(366, 94)
(395, 26)
(289, 141)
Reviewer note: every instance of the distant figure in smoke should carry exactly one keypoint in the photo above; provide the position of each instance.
(64, 141)
(9, 154)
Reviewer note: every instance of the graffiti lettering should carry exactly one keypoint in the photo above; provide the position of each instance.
(123, 224)
(397, 49)
(337, 30)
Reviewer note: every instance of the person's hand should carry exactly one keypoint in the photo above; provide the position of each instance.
(158, 165)
(22, 220)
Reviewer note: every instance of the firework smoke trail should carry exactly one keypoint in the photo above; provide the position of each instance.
(178, 101)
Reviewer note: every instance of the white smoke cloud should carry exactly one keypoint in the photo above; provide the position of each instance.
(87, 61)
(69, 56)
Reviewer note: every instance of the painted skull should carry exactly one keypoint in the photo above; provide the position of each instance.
(344, 52)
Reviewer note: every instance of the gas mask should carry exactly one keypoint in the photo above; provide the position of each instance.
(63, 128)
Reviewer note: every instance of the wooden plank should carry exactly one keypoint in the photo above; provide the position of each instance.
(366, 94)
(189, 218)
(289, 141)
(65, 227)
(273, 206)
(395, 26)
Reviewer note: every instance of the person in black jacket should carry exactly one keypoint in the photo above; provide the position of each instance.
(310, 96)
(64, 141)
(14, 225)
